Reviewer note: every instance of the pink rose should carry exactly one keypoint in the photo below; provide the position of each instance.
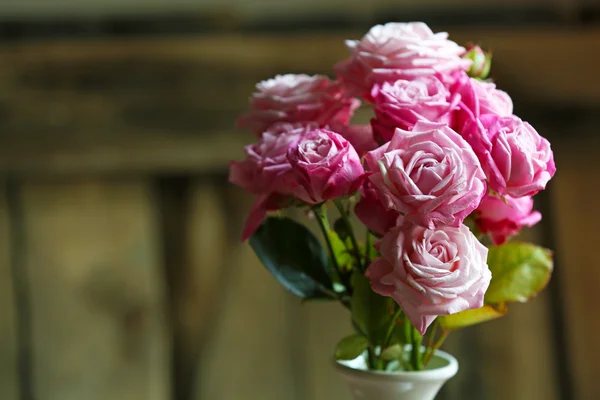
(325, 165)
(403, 103)
(372, 213)
(431, 272)
(266, 167)
(478, 98)
(398, 51)
(265, 172)
(298, 99)
(430, 175)
(501, 220)
(515, 158)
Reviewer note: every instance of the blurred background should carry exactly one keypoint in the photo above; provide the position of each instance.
(121, 272)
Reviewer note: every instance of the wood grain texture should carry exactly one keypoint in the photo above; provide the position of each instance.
(8, 336)
(194, 233)
(96, 291)
(169, 104)
(249, 350)
(575, 191)
(250, 354)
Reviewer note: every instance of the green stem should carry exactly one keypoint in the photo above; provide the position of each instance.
(348, 224)
(390, 330)
(371, 359)
(323, 222)
(415, 354)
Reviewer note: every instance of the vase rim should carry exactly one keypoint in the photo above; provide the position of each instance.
(444, 372)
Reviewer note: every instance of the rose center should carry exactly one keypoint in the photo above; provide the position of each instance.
(427, 171)
(316, 150)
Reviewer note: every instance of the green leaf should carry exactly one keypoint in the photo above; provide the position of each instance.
(294, 256)
(371, 313)
(471, 317)
(519, 272)
(351, 347)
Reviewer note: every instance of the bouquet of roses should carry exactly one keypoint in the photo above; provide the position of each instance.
(441, 179)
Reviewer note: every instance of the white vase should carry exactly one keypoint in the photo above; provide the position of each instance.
(410, 385)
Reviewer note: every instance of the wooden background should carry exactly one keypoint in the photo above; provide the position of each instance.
(121, 273)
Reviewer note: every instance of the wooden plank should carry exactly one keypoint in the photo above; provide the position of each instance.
(242, 9)
(96, 291)
(576, 215)
(250, 353)
(8, 337)
(168, 104)
(194, 230)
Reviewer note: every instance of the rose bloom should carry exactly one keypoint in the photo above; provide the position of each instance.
(515, 158)
(325, 166)
(360, 137)
(265, 172)
(398, 51)
(430, 175)
(298, 99)
(371, 211)
(265, 168)
(403, 103)
(501, 220)
(431, 272)
(478, 98)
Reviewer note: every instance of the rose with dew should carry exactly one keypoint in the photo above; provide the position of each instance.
(398, 51)
(325, 166)
(298, 99)
(371, 211)
(431, 272)
(501, 219)
(430, 175)
(265, 172)
(402, 104)
(515, 158)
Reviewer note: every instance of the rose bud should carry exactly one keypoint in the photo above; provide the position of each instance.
(482, 62)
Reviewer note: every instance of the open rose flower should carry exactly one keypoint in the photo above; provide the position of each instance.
(430, 175)
(298, 99)
(515, 158)
(398, 51)
(265, 172)
(403, 103)
(431, 272)
(478, 98)
(371, 211)
(325, 166)
(501, 220)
